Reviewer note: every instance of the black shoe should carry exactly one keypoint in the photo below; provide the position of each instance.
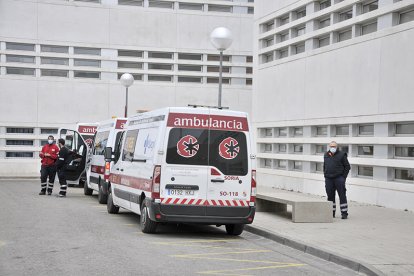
(60, 195)
(42, 193)
(344, 216)
(49, 193)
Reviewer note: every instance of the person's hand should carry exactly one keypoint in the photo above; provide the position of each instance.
(47, 154)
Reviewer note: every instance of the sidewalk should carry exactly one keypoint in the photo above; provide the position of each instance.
(373, 240)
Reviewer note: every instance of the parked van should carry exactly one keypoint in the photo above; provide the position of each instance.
(107, 134)
(185, 165)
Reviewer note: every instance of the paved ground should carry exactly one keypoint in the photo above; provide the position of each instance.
(46, 235)
(380, 237)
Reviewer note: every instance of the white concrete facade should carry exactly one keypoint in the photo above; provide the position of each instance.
(89, 44)
(336, 70)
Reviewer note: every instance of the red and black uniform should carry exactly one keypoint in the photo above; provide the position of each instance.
(65, 157)
(48, 167)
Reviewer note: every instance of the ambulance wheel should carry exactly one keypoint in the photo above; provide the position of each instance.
(147, 225)
(86, 190)
(102, 198)
(110, 206)
(234, 229)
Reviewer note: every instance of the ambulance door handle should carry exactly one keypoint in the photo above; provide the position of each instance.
(217, 180)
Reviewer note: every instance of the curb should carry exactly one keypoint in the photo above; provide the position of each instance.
(315, 251)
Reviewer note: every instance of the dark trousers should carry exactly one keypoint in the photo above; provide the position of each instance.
(62, 181)
(333, 185)
(45, 173)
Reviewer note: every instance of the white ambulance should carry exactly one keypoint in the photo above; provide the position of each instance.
(87, 131)
(107, 134)
(185, 165)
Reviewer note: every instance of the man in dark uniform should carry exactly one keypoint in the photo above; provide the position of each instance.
(48, 156)
(336, 168)
(63, 160)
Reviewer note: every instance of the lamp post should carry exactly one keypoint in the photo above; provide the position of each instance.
(221, 39)
(126, 80)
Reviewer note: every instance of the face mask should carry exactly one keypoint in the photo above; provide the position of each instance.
(50, 142)
(333, 150)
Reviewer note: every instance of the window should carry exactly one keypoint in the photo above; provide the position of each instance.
(220, 8)
(297, 131)
(25, 130)
(270, 25)
(406, 17)
(301, 13)
(300, 30)
(342, 130)
(43, 142)
(404, 128)
(87, 51)
(87, 75)
(130, 64)
(186, 56)
(404, 151)
(159, 78)
(268, 57)
(345, 15)
(321, 131)
(367, 150)
(267, 147)
(190, 79)
(101, 140)
(217, 58)
(54, 49)
(160, 55)
(284, 36)
(159, 66)
(320, 149)
(297, 165)
(54, 61)
(299, 48)
(366, 130)
(267, 132)
(267, 163)
(280, 164)
(284, 19)
(160, 4)
(325, 22)
(249, 59)
(282, 53)
(369, 28)
(249, 81)
(87, 62)
(20, 71)
(48, 131)
(20, 154)
(54, 73)
(90, 1)
(191, 6)
(136, 76)
(138, 3)
(344, 35)
(129, 53)
(250, 10)
(281, 148)
(19, 142)
(297, 148)
(370, 6)
(319, 167)
(343, 148)
(282, 132)
(365, 171)
(216, 80)
(225, 69)
(193, 68)
(249, 70)
(268, 41)
(324, 41)
(20, 59)
(324, 4)
(129, 145)
(404, 174)
(20, 46)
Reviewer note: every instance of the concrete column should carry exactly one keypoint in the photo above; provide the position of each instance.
(380, 173)
(387, 20)
(382, 130)
(383, 151)
(307, 167)
(312, 7)
(356, 30)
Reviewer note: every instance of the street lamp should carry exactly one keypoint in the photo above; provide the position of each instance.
(126, 80)
(221, 39)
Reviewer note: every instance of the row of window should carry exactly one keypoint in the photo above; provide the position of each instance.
(183, 5)
(399, 174)
(398, 128)
(362, 28)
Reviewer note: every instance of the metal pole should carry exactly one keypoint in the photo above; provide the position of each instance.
(220, 78)
(126, 103)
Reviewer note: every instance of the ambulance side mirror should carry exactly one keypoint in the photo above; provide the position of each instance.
(108, 154)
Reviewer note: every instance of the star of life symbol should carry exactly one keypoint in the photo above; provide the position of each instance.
(89, 142)
(229, 148)
(187, 146)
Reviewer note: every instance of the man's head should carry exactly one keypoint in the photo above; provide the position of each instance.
(50, 139)
(61, 142)
(333, 146)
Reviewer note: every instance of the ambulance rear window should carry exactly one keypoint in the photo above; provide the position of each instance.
(225, 150)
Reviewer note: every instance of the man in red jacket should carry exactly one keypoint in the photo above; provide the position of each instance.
(48, 156)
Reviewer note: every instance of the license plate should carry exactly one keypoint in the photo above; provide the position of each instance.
(175, 192)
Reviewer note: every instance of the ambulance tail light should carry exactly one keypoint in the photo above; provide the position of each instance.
(156, 182)
(253, 188)
(107, 172)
